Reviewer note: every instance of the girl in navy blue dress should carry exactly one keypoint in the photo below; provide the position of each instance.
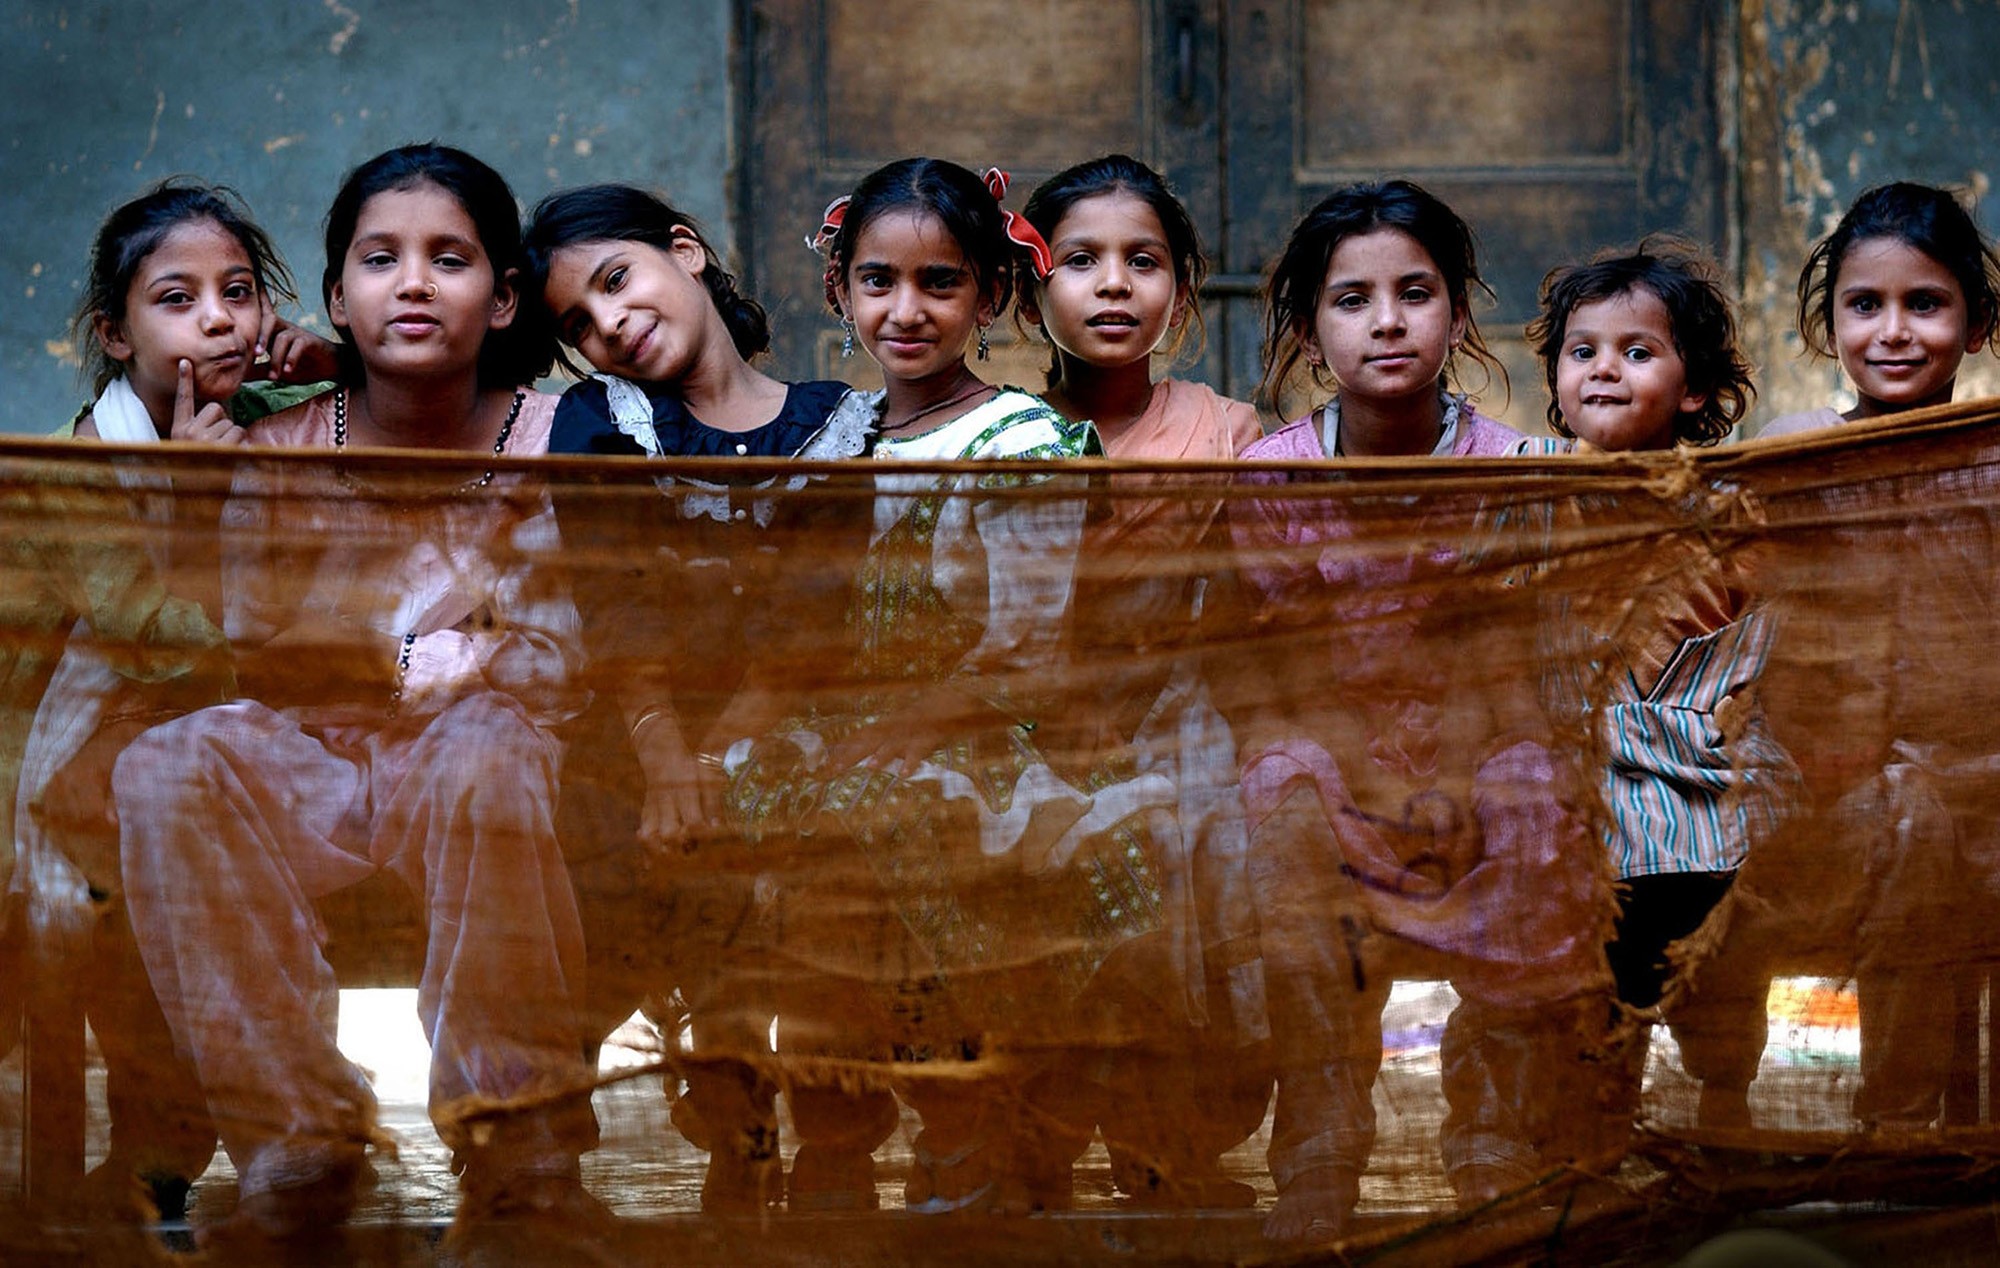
(681, 638)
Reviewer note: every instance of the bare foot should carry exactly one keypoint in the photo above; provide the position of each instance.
(1316, 1206)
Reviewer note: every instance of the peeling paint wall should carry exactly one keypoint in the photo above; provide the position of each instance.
(1835, 98)
(101, 98)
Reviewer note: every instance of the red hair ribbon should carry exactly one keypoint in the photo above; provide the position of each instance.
(821, 241)
(1019, 231)
(829, 224)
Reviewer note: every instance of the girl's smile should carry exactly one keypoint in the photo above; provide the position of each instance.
(913, 296)
(1621, 382)
(1901, 326)
(632, 308)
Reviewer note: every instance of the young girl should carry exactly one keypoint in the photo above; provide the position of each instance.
(1902, 290)
(994, 887)
(633, 287)
(406, 670)
(1127, 264)
(1407, 798)
(1640, 354)
(176, 311)
(1373, 294)
(176, 307)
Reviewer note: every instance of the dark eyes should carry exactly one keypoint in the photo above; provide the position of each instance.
(1638, 352)
(614, 281)
(1921, 302)
(387, 259)
(1355, 299)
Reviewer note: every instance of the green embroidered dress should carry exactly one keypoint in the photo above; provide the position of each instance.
(1012, 879)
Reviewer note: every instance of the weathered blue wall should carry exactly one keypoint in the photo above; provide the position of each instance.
(100, 98)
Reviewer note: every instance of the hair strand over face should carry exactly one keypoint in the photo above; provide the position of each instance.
(1293, 293)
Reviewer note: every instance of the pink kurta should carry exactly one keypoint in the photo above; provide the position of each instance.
(236, 818)
(1486, 864)
(1805, 421)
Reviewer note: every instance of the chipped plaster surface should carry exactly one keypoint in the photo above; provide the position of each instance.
(99, 99)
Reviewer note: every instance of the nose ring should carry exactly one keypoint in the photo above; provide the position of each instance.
(430, 290)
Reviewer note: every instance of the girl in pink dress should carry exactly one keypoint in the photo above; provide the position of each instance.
(1402, 795)
(405, 667)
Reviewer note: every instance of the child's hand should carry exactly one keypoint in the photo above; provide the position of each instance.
(294, 354)
(683, 798)
(211, 425)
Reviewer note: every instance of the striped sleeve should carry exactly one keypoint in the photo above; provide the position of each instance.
(1692, 775)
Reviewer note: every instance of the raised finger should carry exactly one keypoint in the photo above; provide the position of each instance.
(184, 395)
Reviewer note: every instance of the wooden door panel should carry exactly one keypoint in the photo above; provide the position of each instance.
(1041, 83)
(1397, 84)
(1554, 130)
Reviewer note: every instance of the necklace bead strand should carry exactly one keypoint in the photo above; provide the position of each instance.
(499, 442)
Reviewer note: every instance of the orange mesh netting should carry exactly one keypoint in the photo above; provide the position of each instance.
(994, 838)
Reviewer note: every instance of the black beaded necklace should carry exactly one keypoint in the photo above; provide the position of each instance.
(499, 442)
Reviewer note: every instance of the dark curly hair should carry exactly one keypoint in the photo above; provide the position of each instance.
(1926, 217)
(1122, 174)
(1296, 279)
(622, 213)
(513, 356)
(134, 231)
(1688, 284)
